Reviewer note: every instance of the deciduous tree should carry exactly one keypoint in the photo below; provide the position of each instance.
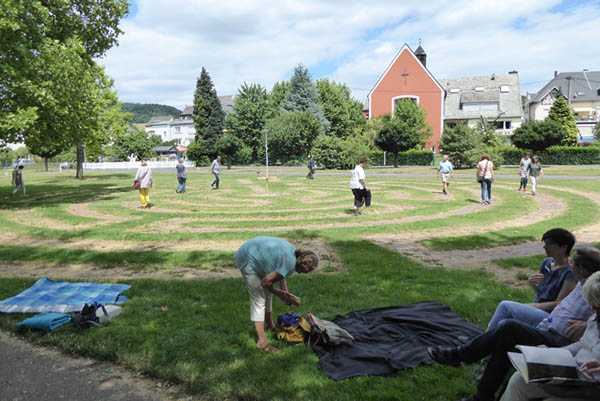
(405, 130)
(538, 135)
(249, 115)
(340, 109)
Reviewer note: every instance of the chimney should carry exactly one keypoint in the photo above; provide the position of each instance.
(513, 72)
(421, 55)
(555, 73)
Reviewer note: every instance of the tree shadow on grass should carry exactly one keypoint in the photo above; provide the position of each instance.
(487, 240)
(44, 195)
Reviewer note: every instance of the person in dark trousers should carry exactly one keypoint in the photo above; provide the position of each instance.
(17, 179)
(563, 326)
(312, 166)
(215, 169)
(181, 177)
(358, 185)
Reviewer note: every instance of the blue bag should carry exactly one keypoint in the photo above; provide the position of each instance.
(45, 321)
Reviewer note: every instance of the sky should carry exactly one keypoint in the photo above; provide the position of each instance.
(166, 43)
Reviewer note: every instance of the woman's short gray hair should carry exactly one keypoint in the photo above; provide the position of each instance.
(587, 258)
(591, 290)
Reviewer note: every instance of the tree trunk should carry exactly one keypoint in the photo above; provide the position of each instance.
(46, 164)
(396, 159)
(80, 160)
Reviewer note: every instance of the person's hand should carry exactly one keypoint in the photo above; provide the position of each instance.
(591, 367)
(290, 299)
(536, 279)
(575, 329)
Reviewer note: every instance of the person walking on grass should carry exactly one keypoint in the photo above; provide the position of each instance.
(264, 261)
(485, 177)
(312, 166)
(143, 182)
(446, 169)
(358, 184)
(215, 169)
(524, 172)
(535, 173)
(17, 179)
(181, 177)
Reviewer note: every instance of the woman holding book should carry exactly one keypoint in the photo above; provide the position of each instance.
(586, 352)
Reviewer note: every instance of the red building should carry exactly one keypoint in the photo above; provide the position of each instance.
(407, 77)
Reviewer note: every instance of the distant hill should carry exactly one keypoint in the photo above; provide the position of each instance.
(143, 112)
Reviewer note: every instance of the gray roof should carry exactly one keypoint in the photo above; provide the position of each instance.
(503, 89)
(584, 86)
(226, 104)
(160, 119)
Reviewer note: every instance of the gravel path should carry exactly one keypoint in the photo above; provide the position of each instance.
(30, 373)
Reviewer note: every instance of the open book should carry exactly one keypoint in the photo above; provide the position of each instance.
(548, 365)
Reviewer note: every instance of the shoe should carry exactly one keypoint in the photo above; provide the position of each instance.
(445, 355)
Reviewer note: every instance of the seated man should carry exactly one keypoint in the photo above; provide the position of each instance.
(264, 261)
(564, 325)
(552, 284)
(586, 352)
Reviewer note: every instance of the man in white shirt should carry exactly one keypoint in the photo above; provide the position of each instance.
(358, 184)
(215, 169)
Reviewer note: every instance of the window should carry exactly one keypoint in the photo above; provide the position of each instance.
(479, 89)
(499, 124)
(397, 99)
(503, 125)
(178, 129)
(454, 90)
(504, 89)
(479, 107)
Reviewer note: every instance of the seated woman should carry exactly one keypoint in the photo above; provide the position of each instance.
(586, 352)
(554, 282)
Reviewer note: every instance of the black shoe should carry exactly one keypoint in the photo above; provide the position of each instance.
(445, 355)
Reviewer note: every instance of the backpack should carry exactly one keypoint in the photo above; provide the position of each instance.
(87, 317)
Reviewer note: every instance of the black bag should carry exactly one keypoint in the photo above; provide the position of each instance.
(87, 317)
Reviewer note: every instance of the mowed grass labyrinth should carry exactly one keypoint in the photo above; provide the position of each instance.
(186, 321)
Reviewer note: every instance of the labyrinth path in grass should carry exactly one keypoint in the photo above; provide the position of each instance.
(73, 227)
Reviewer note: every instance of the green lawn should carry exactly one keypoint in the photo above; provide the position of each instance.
(196, 332)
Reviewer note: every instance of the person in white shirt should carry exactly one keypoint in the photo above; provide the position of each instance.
(143, 181)
(358, 184)
(215, 169)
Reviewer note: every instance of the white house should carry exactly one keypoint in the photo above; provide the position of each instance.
(181, 129)
(496, 97)
(582, 90)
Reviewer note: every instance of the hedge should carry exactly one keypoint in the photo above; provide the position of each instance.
(556, 155)
(413, 157)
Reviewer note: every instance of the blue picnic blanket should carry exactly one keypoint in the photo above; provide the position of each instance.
(58, 296)
(45, 321)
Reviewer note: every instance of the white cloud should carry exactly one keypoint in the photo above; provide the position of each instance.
(167, 43)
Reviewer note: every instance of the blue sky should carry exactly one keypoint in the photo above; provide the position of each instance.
(167, 42)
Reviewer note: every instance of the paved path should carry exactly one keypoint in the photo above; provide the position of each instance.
(30, 373)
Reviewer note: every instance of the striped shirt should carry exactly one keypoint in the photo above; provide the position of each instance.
(572, 307)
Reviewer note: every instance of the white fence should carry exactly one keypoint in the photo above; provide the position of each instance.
(166, 164)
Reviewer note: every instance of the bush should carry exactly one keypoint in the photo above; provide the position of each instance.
(571, 155)
(538, 135)
(459, 143)
(243, 155)
(415, 157)
(557, 155)
(291, 135)
(512, 155)
(327, 151)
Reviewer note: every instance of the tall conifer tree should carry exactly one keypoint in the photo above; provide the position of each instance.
(208, 113)
(303, 96)
(562, 113)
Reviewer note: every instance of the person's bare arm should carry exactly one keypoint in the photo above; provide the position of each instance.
(363, 183)
(565, 290)
(283, 294)
(535, 279)
(283, 285)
